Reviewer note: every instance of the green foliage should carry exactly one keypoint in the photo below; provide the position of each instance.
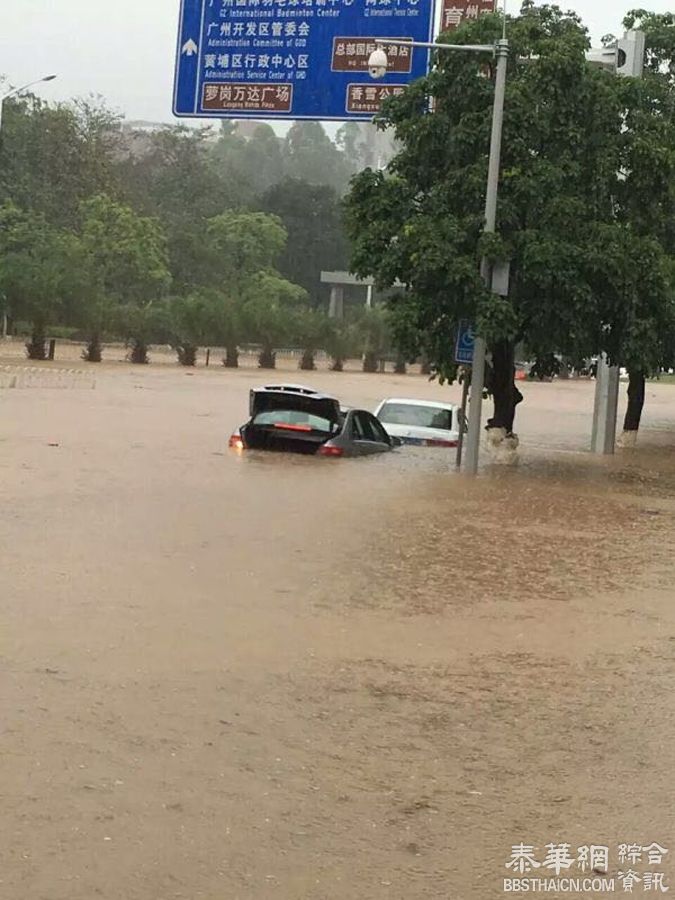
(40, 266)
(126, 263)
(309, 154)
(113, 217)
(142, 324)
(581, 150)
(242, 244)
(53, 158)
(254, 164)
(316, 242)
(268, 312)
(341, 342)
(195, 320)
(126, 253)
(171, 175)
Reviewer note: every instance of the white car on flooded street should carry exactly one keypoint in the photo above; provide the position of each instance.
(425, 423)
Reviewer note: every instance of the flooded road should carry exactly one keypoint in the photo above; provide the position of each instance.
(259, 676)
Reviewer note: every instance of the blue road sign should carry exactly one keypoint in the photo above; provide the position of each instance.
(294, 59)
(465, 343)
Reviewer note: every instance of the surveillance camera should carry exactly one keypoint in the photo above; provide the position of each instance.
(378, 63)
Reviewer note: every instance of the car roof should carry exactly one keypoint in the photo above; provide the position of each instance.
(406, 401)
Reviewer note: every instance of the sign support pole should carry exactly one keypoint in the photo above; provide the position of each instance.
(462, 418)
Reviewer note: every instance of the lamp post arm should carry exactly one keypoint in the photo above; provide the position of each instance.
(469, 48)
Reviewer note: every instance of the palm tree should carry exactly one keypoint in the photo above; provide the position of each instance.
(373, 325)
(97, 315)
(268, 313)
(141, 325)
(193, 322)
(229, 330)
(310, 328)
(400, 367)
(340, 342)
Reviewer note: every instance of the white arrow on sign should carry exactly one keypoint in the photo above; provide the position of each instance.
(190, 48)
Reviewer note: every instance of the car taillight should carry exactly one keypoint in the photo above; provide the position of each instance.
(328, 450)
(236, 442)
(438, 443)
(286, 427)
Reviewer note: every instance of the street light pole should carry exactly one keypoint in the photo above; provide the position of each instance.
(21, 89)
(478, 368)
(378, 67)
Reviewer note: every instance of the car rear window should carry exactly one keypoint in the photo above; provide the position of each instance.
(420, 416)
(294, 417)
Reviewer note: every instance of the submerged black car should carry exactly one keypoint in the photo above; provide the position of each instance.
(296, 419)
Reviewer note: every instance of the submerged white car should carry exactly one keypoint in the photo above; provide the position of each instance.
(425, 423)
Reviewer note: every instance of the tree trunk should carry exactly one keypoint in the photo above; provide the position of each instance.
(267, 359)
(36, 347)
(505, 394)
(425, 366)
(231, 360)
(187, 354)
(139, 353)
(307, 363)
(370, 362)
(338, 364)
(400, 367)
(636, 402)
(94, 350)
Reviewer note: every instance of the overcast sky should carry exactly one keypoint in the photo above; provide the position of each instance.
(124, 49)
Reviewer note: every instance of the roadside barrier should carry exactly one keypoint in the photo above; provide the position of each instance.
(34, 377)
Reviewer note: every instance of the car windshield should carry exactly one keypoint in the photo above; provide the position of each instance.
(295, 417)
(419, 416)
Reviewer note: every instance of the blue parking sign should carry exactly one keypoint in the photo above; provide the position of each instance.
(465, 343)
(295, 59)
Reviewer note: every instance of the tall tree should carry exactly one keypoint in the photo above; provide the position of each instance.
(254, 163)
(646, 204)
(127, 261)
(53, 158)
(421, 222)
(310, 154)
(171, 175)
(312, 217)
(242, 244)
(193, 321)
(268, 310)
(40, 271)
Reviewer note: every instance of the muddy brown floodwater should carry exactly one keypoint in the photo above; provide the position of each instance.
(238, 677)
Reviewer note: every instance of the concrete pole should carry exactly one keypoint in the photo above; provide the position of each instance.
(478, 368)
(603, 436)
(603, 439)
(336, 308)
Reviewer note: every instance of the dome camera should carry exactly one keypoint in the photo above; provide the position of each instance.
(378, 63)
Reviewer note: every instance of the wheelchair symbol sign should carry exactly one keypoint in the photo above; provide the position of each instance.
(465, 342)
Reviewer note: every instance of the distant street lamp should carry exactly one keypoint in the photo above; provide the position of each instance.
(20, 90)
